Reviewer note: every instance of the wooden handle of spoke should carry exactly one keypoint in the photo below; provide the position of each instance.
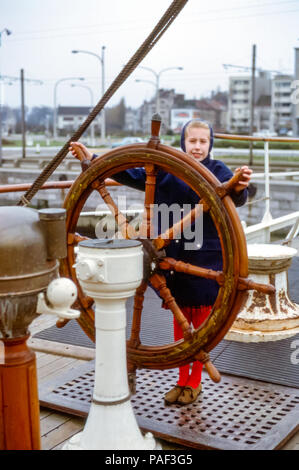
(228, 186)
(62, 322)
(75, 238)
(155, 131)
(159, 282)
(248, 284)
(155, 125)
(212, 371)
(204, 357)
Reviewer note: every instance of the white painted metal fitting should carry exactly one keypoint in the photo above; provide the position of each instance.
(61, 294)
(110, 271)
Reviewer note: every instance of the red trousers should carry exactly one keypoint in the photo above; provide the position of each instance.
(196, 316)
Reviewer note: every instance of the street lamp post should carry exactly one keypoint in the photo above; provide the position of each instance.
(7, 32)
(157, 81)
(55, 102)
(102, 61)
(91, 105)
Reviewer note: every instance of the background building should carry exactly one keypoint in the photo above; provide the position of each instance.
(262, 113)
(296, 94)
(148, 108)
(70, 118)
(180, 116)
(239, 100)
(281, 105)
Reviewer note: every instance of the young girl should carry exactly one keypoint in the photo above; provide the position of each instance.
(194, 295)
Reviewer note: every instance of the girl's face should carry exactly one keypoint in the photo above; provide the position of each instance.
(197, 142)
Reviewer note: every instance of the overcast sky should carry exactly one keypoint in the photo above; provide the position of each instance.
(203, 37)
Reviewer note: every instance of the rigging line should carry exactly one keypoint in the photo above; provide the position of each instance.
(166, 20)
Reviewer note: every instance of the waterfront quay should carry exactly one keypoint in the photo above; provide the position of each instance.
(284, 189)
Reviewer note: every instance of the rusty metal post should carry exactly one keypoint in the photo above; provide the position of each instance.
(30, 243)
(19, 404)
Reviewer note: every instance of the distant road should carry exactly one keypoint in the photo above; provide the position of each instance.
(217, 152)
(16, 152)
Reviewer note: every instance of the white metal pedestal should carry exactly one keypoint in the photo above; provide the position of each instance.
(110, 272)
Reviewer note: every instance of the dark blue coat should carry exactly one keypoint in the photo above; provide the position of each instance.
(188, 290)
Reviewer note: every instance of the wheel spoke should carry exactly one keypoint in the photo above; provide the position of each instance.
(218, 276)
(159, 282)
(175, 231)
(134, 340)
(187, 268)
(248, 284)
(126, 229)
(149, 198)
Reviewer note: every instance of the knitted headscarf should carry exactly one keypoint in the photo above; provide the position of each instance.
(183, 147)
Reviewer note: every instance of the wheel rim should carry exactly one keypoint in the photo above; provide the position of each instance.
(233, 243)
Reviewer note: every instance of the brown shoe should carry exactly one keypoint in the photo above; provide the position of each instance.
(189, 395)
(173, 394)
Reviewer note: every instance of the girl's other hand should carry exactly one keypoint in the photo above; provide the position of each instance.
(80, 151)
(245, 178)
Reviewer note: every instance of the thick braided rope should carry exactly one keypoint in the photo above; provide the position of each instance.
(166, 20)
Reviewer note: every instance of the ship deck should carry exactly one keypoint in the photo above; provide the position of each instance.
(56, 359)
(57, 427)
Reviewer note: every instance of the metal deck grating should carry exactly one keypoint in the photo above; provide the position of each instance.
(236, 414)
(269, 362)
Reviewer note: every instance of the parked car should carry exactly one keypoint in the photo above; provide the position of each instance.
(284, 132)
(127, 141)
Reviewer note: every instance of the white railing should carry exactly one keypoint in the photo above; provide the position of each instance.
(261, 232)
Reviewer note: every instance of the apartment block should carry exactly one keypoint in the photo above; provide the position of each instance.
(281, 105)
(239, 100)
(295, 91)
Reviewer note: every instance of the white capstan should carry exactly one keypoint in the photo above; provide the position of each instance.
(267, 317)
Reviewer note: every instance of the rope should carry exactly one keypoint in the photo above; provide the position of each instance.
(164, 23)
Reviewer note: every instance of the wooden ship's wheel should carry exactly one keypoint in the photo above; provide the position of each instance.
(214, 198)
